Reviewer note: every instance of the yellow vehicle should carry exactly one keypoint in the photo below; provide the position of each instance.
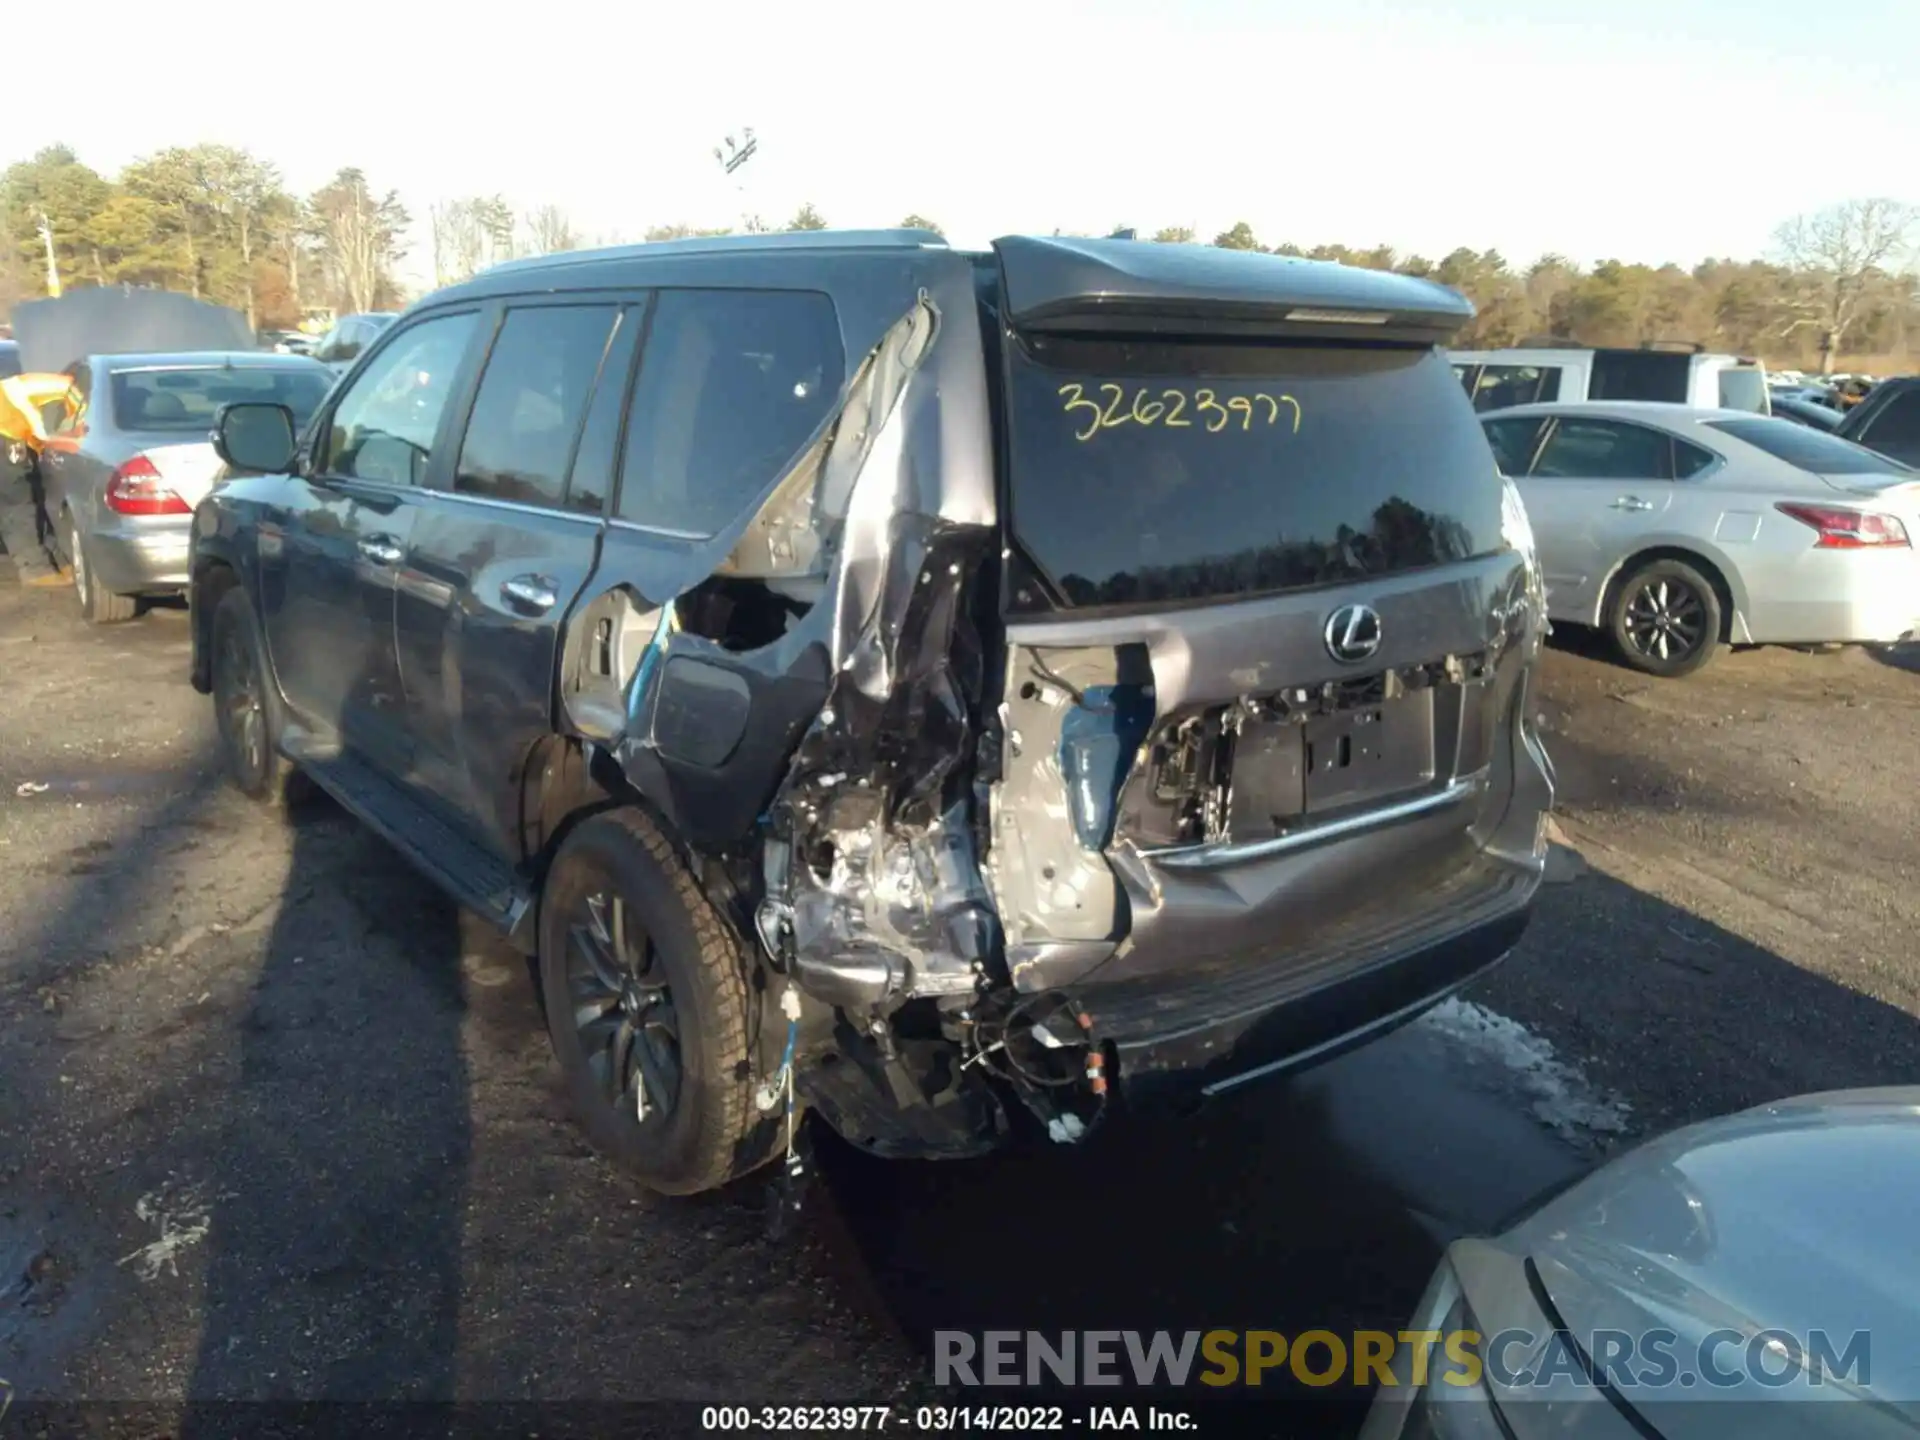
(317, 320)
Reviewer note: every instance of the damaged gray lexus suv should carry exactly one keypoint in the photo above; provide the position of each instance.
(949, 693)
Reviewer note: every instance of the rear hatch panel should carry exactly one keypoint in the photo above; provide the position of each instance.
(1268, 632)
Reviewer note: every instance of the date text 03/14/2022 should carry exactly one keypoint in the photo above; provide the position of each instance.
(943, 1419)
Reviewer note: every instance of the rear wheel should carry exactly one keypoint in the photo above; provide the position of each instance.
(645, 990)
(1666, 619)
(99, 607)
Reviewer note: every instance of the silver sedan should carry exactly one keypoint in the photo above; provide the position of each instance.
(1676, 529)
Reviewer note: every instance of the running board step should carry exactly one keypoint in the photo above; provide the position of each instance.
(468, 872)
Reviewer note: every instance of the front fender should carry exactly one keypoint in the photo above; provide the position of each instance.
(214, 549)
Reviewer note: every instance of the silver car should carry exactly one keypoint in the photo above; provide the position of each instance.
(342, 345)
(1677, 529)
(127, 458)
(1750, 1276)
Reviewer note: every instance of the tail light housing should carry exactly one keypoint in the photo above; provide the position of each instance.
(1842, 529)
(136, 488)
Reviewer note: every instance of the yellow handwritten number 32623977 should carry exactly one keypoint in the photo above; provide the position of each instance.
(1171, 408)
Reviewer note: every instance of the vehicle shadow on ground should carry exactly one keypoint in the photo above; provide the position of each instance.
(1322, 1201)
(334, 1255)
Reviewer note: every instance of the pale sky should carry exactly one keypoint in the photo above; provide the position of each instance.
(1638, 129)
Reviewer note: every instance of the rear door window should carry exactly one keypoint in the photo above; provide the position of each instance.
(1589, 449)
(1689, 459)
(1156, 472)
(1513, 443)
(732, 384)
(533, 394)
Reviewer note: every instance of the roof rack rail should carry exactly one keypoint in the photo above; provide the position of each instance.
(1684, 347)
(729, 244)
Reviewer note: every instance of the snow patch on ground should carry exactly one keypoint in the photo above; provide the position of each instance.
(182, 1216)
(1562, 1097)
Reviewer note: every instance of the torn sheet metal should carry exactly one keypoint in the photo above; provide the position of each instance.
(874, 893)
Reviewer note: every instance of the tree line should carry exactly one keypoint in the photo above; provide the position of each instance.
(213, 221)
(217, 221)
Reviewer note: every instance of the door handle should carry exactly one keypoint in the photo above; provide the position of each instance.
(530, 594)
(1632, 502)
(381, 551)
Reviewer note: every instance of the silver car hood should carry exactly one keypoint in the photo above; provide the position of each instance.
(1797, 1216)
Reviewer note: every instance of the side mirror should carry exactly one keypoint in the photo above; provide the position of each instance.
(255, 436)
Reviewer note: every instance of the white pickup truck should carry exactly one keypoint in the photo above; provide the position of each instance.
(1495, 379)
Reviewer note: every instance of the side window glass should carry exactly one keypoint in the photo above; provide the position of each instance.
(1549, 384)
(596, 458)
(732, 383)
(1501, 386)
(1689, 460)
(531, 400)
(1604, 450)
(1898, 421)
(384, 425)
(1513, 442)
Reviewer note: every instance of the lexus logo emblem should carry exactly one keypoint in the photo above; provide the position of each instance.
(1353, 633)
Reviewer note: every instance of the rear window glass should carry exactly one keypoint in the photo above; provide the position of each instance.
(1809, 449)
(9, 361)
(189, 399)
(1640, 375)
(1744, 388)
(1153, 472)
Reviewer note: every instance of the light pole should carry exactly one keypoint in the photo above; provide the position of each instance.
(45, 227)
(733, 154)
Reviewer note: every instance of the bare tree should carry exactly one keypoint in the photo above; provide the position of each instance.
(469, 235)
(359, 236)
(549, 231)
(1835, 257)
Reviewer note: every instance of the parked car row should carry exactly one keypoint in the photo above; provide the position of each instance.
(1705, 509)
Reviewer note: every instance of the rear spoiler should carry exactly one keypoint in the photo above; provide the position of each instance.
(1065, 284)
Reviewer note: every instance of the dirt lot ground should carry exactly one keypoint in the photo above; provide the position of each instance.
(276, 1123)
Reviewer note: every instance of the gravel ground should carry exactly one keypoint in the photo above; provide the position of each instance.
(276, 1121)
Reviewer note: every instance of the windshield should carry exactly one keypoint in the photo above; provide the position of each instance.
(190, 399)
(1147, 472)
(1811, 450)
(1743, 387)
